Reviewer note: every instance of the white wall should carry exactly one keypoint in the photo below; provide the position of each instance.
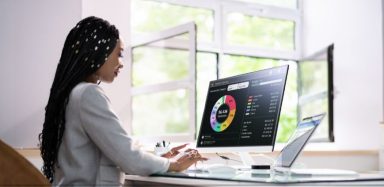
(356, 29)
(32, 35)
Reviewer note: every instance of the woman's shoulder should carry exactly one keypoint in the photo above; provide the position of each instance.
(87, 89)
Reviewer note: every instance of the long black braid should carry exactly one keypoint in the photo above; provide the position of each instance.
(85, 50)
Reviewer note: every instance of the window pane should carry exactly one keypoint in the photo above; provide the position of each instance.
(160, 113)
(279, 3)
(315, 107)
(151, 16)
(157, 65)
(260, 32)
(314, 77)
(206, 71)
(234, 65)
(315, 91)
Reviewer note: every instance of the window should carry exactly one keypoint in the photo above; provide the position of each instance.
(163, 84)
(316, 90)
(233, 37)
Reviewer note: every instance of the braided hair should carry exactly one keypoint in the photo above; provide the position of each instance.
(85, 50)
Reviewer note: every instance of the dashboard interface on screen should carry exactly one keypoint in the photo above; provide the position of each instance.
(243, 110)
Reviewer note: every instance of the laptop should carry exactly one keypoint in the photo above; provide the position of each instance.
(294, 147)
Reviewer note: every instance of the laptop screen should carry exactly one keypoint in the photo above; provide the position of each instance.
(298, 140)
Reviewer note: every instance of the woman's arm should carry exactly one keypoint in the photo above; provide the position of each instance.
(104, 129)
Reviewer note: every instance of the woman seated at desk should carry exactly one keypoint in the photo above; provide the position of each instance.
(82, 142)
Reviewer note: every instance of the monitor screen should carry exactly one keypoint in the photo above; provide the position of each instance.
(243, 111)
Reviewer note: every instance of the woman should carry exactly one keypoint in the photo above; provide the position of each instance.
(82, 142)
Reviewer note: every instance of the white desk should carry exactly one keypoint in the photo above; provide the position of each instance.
(247, 179)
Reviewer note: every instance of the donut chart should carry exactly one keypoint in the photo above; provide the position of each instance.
(222, 113)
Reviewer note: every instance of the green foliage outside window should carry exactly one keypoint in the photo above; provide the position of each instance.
(260, 32)
(157, 65)
(314, 76)
(153, 16)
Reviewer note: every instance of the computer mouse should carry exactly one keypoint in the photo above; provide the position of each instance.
(221, 169)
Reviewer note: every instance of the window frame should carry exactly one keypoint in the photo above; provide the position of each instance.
(222, 7)
(188, 83)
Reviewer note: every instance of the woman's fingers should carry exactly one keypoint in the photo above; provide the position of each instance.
(186, 163)
(187, 159)
(188, 150)
(177, 148)
(191, 155)
(174, 151)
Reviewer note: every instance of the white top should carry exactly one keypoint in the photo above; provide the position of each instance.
(95, 149)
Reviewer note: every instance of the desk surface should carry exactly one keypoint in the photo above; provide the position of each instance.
(246, 178)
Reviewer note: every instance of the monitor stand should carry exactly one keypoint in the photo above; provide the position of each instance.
(257, 159)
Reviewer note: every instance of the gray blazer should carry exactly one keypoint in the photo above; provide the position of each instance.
(95, 149)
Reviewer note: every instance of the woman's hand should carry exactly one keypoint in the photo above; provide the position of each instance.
(174, 151)
(191, 156)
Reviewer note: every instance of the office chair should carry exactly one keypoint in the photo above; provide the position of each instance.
(15, 170)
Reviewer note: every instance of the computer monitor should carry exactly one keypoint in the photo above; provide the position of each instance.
(242, 112)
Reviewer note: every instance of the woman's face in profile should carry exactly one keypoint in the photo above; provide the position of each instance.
(111, 68)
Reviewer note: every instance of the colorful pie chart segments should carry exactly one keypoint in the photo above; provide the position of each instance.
(222, 113)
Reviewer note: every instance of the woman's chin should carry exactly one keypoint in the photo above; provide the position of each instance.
(108, 80)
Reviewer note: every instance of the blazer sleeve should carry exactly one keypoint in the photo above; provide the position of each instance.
(105, 130)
